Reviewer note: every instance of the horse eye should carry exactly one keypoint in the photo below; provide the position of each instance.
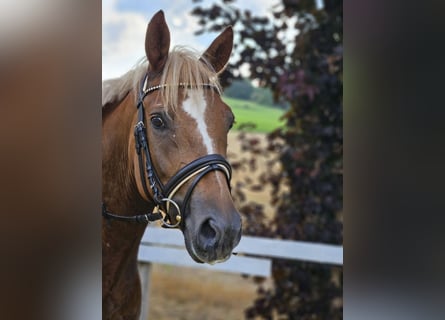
(232, 123)
(157, 122)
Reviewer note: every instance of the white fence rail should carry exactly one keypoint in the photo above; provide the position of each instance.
(254, 256)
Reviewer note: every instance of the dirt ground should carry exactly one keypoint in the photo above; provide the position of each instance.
(191, 294)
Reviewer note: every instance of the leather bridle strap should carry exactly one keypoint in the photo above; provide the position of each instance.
(140, 218)
(141, 142)
(163, 195)
(206, 170)
(196, 169)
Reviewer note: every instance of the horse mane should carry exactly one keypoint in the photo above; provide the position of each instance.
(183, 65)
(114, 90)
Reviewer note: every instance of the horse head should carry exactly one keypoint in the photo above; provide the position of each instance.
(186, 125)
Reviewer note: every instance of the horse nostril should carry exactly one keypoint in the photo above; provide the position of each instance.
(208, 233)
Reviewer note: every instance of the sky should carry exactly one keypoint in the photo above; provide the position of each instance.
(124, 23)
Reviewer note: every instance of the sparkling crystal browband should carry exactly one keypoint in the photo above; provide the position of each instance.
(181, 84)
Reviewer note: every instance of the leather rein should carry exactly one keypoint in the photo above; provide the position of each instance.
(162, 195)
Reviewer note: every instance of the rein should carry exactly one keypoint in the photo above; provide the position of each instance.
(162, 195)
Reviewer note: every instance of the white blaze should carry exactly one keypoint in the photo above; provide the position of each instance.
(195, 105)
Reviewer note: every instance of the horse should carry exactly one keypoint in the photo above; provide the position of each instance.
(164, 147)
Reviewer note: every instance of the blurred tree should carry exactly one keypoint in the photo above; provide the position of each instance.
(264, 96)
(240, 89)
(297, 52)
(244, 89)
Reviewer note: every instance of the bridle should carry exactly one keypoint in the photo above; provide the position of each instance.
(162, 195)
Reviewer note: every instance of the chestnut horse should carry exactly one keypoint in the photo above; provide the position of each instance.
(164, 143)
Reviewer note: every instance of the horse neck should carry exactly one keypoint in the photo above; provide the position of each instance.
(120, 240)
(119, 190)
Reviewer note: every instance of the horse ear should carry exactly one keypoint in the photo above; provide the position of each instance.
(157, 42)
(218, 53)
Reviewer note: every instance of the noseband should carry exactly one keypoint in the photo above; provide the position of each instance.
(162, 195)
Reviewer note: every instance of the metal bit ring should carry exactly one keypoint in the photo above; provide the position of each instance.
(178, 216)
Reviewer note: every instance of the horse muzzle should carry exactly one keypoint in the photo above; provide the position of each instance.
(213, 238)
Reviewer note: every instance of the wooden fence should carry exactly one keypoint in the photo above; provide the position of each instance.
(254, 256)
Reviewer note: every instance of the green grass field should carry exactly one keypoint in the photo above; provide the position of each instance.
(266, 118)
